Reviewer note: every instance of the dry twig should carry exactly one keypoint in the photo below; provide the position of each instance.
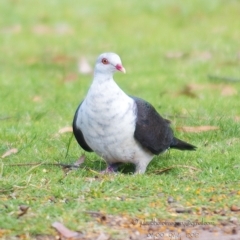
(176, 166)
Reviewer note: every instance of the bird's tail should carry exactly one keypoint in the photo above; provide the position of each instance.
(181, 145)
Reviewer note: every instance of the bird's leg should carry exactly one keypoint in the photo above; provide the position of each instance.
(140, 168)
(111, 168)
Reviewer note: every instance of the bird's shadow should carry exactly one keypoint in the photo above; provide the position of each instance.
(124, 168)
(127, 168)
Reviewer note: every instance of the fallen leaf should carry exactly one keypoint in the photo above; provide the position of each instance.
(196, 86)
(235, 208)
(23, 210)
(3, 233)
(233, 220)
(65, 130)
(103, 236)
(228, 91)
(237, 118)
(64, 231)
(94, 213)
(62, 59)
(71, 77)
(84, 67)
(52, 199)
(12, 29)
(41, 29)
(37, 99)
(10, 152)
(203, 56)
(63, 29)
(227, 229)
(170, 199)
(183, 210)
(197, 129)
(32, 60)
(188, 91)
(174, 55)
(80, 161)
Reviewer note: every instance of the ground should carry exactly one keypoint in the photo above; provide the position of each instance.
(181, 56)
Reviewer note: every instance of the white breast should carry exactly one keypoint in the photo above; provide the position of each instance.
(107, 119)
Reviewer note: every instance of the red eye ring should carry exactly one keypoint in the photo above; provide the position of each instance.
(105, 61)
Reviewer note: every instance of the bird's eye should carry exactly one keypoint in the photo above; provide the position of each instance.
(105, 61)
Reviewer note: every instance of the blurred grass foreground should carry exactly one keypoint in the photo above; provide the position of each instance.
(182, 56)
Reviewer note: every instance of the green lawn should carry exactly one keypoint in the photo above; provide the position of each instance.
(169, 49)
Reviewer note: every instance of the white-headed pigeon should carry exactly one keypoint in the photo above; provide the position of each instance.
(118, 127)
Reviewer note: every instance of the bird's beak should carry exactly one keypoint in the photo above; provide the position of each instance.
(120, 68)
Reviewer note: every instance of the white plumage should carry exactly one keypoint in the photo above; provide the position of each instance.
(107, 119)
(112, 124)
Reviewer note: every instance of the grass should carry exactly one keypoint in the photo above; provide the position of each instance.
(40, 46)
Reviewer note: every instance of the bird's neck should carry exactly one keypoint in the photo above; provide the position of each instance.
(102, 77)
(105, 87)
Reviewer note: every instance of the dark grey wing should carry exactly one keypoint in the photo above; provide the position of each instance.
(78, 133)
(152, 131)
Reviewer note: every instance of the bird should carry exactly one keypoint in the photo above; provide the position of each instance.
(118, 127)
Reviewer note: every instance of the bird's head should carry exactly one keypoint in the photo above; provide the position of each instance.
(108, 63)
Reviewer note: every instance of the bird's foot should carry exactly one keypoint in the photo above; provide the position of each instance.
(140, 169)
(111, 168)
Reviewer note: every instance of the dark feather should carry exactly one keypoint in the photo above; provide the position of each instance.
(153, 132)
(181, 145)
(78, 133)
